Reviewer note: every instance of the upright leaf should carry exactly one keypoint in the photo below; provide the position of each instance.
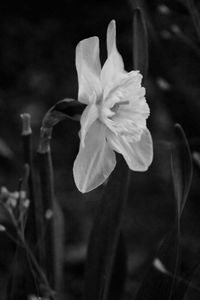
(162, 280)
(105, 234)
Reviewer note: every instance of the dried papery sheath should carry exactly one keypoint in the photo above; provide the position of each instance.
(26, 124)
(45, 137)
(66, 108)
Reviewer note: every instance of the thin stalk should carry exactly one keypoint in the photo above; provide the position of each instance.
(47, 189)
(38, 272)
(67, 108)
(33, 222)
(36, 266)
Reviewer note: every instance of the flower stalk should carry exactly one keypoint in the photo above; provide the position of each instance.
(47, 190)
(67, 108)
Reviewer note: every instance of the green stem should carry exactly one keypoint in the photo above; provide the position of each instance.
(67, 108)
(47, 189)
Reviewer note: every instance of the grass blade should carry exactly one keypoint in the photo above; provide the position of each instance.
(181, 168)
(162, 281)
(195, 16)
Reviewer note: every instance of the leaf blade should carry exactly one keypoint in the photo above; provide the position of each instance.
(105, 234)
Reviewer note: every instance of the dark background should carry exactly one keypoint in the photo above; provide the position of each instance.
(37, 68)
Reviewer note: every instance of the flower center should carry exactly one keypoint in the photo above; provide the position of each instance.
(108, 110)
(117, 105)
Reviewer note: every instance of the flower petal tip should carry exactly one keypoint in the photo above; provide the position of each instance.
(88, 68)
(111, 30)
(112, 24)
(92, 39)
(111, 36)
(95, 162)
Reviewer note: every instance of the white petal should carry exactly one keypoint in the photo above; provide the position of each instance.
(88, 68)
(138, 155)
(88, 117)
(94, 162)
(114, 66)
(128, 87)
(111, 36)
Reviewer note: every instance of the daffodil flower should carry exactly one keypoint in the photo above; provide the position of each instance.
(114, 118)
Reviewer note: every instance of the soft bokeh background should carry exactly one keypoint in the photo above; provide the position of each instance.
(37, 68)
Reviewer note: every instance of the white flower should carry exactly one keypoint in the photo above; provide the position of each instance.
(115, 116)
